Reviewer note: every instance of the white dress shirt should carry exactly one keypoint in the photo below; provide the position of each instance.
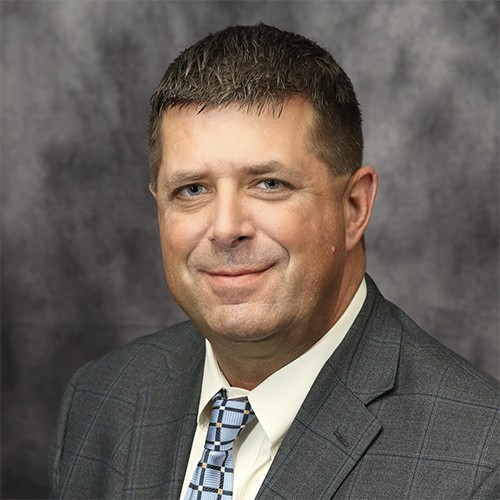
(276, 402)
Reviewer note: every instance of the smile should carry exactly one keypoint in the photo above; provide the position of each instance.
(235, 277)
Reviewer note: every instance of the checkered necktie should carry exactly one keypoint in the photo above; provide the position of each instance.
(213, 477)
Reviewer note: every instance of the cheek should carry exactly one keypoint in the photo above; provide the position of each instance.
(306, 229)
(179, 235)
(288, 226)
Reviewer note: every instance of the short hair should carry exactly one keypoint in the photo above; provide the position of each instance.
(261, 66)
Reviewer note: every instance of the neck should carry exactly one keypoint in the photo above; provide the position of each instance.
(248, 366)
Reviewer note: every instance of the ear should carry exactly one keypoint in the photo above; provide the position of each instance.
(358, 203)
(152, 190)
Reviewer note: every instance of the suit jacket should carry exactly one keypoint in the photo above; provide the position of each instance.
(393, 414)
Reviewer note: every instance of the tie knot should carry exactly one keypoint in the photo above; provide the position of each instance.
(227, 420)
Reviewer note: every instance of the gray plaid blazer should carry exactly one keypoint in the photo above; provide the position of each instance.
(393, 414)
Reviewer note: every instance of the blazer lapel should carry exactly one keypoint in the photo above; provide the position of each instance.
(334, 426)
(164, 427)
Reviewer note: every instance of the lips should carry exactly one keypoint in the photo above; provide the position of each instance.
(236, 272)
(231, 278)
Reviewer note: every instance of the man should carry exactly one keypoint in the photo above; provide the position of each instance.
(255, 149)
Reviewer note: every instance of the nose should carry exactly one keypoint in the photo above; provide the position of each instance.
(231, 222)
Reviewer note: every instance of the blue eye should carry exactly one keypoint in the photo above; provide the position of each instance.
(192, 190)
(271, 184)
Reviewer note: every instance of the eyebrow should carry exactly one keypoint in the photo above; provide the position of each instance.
(268, 168)
(184, 177)
(192, 176)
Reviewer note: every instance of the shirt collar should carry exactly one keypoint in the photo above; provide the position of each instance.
(277, 400)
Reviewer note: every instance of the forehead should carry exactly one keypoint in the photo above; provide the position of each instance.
(237, 133)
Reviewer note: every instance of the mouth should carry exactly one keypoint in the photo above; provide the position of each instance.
(229, 278)
(236, 272)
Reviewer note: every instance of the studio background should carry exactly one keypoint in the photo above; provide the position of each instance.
(81, 262)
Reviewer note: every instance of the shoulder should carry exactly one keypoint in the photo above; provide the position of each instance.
(427, 363)
(454, 405)
(147, 360)
(108, 397)
(440, 413)
(423, 361)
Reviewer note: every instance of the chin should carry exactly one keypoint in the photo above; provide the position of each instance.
(236, 327)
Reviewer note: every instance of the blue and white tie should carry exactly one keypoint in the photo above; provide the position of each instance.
(213, 477)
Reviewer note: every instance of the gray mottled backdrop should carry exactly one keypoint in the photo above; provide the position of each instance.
(81, 264)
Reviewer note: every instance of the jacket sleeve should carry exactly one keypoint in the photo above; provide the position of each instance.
(57, 449)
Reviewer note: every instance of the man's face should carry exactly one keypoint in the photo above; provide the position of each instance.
(252, 224)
